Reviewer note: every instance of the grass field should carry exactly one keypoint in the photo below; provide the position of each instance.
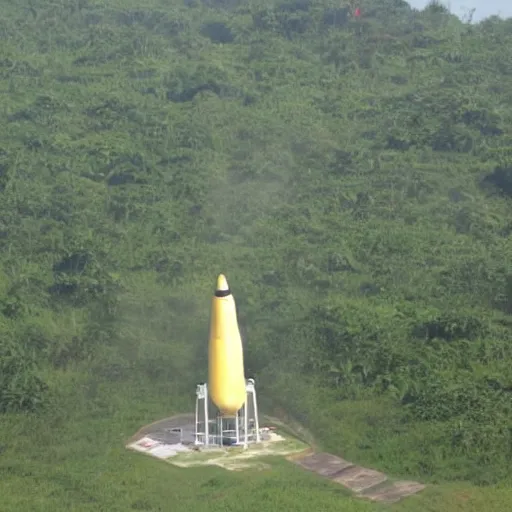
(73, 459)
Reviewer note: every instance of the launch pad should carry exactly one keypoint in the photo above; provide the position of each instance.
(173, 440)
(201, 439)
(240, 429)
(226, 412)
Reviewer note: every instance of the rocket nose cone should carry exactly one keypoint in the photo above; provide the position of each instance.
(222, 284)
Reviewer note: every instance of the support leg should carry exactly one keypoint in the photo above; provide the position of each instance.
(196, 440)
(245, 424)
(206, 418)
(256, 420)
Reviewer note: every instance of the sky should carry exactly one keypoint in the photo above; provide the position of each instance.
(483, 8)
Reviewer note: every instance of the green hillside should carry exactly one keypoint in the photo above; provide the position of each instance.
(353, 179)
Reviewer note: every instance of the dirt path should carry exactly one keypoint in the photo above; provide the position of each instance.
(364, 482)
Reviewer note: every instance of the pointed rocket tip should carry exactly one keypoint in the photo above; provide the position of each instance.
(222, 289)
(222, 283)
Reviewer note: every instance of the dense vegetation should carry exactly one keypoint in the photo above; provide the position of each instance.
(351, 176)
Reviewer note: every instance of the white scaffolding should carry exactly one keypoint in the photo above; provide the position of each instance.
(243, 429)
(202, 436)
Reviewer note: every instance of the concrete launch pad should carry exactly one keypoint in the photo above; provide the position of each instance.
(172, 430)
(173, 440)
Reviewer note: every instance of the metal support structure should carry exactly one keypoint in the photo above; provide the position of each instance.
(250, 415)
(246, 426)
(202, 435)
(246, 429)
(251, 389)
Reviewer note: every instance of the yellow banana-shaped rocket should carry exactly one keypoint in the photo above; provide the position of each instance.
(226, 377)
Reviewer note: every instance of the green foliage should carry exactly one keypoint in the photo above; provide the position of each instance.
(21, 389)
(351, 176)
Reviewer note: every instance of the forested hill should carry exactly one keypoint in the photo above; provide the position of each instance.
(352, 176)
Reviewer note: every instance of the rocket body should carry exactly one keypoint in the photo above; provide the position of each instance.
(226, 377)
